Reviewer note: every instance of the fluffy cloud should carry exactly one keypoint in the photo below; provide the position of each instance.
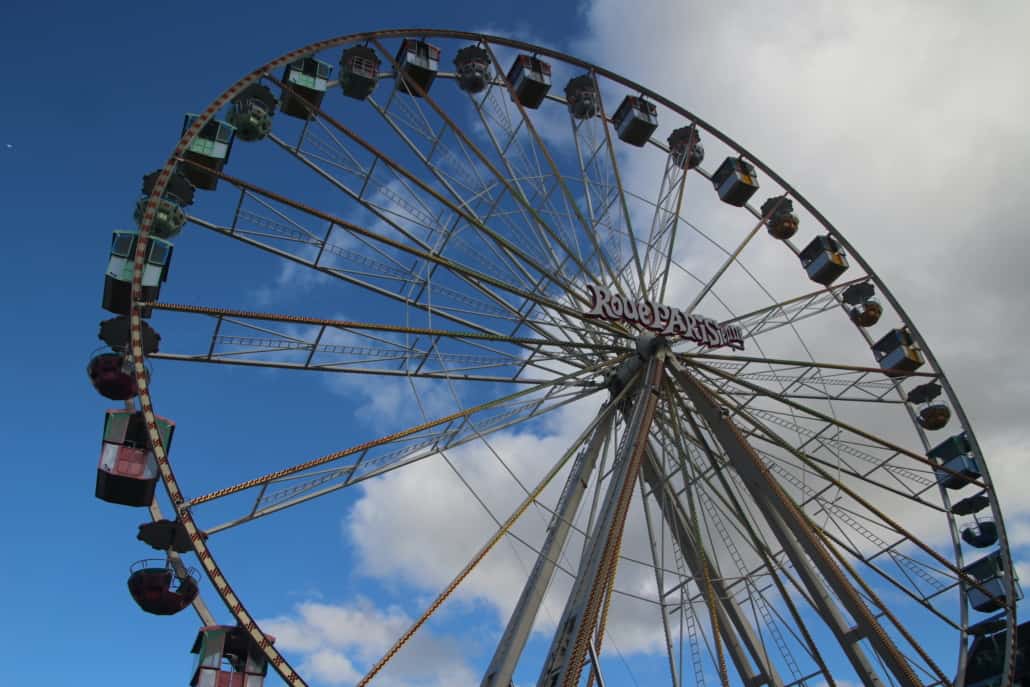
(340, 642)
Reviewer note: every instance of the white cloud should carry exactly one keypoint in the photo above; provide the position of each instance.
(331, 667)
(339, 643)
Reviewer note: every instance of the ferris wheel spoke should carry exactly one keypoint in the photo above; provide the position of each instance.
(793, 310)
(349, 346)
(481, 280)
(559, 320)
(450, 236)
(492, 209)
(392, 452)
(904, 581)
(600, 195)
(818, 415)
(661, 240)
(471, 255)
(508, 147)
(463, 213)
(733, 625)
(808, 556)
(392, 284)
(624, 214)
(468, 147)
(825, 473)
(573, 213)
(928, 667)
(542, 193)
(425, 294)
(912, 483)
(804, 379)
(743, 639)
(440, 235)
(839, 453)
(716, 492)
(731, 258)
(402, 204)
(656, 540)
(911, 568)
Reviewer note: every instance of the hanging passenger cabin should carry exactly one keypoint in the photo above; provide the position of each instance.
(685, 147)
(581, 96)
(972, 504)
(473, 68)
(955, 456)
(981, 535)
(985, 661)
(111, 375)
(228, 657)
(530, 80)
(359, 71)
(897, 353)
(865, 311)
(170, 217)
(115, 333)
(635, 120)
(117, 296)
(823, 260)
(252, 112)
(304, 85)
(932, 416)
(990, 573)
(736, 181)
(127, 473)
(780, 220)
(157, 588)
(210, 149)
(418, 62)
(166, 535)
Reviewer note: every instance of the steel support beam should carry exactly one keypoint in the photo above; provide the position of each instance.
(578, 622)
(806, 551)
(513, 641)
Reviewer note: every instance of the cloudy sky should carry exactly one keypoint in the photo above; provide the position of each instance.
(902, 122)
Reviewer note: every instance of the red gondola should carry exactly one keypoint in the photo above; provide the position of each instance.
(158, 589)
(112, 377)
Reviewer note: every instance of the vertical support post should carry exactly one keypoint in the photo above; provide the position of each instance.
(806, 552)
(564, 662)
(513, 641)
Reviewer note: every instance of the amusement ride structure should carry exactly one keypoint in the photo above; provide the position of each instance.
(526, 232)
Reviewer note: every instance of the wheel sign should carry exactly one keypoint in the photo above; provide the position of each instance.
(662, 319)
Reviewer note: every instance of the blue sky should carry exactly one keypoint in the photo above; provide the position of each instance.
(97, 100)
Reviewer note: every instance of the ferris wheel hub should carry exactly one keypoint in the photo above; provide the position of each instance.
(648, 344)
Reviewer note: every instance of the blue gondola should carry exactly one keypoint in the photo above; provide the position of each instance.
(530, 80)
(736, 181)
(897, 353)
(824, 259)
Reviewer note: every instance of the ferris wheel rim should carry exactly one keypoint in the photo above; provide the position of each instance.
(214, 573)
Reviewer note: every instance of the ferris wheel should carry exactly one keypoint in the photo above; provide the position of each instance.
(807, 501)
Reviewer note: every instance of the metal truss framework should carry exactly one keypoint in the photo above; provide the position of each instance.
(764, 482)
